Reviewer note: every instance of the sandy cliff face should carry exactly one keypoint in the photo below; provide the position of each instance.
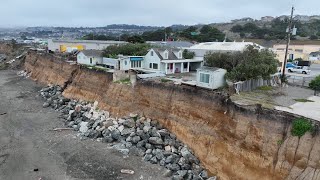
(232, 142)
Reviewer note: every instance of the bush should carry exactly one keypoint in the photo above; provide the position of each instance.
(300, 126)
(242, 66)
(187, 54)
(127, 49)
(315, 83)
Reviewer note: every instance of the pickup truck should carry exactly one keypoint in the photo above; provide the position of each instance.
(299, 69)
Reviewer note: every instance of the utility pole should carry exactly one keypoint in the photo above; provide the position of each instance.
(289, 31)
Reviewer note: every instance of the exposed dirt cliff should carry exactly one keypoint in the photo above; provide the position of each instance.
(231, 141)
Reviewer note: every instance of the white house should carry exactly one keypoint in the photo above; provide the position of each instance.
(124, 62)
(314, 56)
(90, 57)
(169, 61)
(210, 77)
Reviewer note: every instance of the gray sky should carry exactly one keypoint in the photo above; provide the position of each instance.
(142, 12)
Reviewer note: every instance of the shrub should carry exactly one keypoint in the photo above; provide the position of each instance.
(315, 83)
(300, 126)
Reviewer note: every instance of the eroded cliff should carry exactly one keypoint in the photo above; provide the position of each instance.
(232, 142)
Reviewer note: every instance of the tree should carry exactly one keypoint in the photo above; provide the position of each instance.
(187, 54)
(136, 39)
(315, 84)
(237, 28)
(241, 66)
(127, 49)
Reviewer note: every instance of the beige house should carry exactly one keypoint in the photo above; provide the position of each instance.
(295, 51)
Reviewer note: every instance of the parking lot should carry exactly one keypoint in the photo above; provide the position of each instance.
(304, 79)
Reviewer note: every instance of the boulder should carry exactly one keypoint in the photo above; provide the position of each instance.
(116, 134)
(147, 157)
(129, 123)
(136, 139)
(127, 131)
(83, 127)
(155, 140)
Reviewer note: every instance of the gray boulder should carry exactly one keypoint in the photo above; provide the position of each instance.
(156, 141)
(129, 123)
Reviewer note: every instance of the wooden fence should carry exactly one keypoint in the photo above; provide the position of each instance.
(252, 84)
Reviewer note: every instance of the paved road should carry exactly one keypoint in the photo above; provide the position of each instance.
(29, 150)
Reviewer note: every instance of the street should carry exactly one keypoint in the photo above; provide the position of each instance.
(29, 150)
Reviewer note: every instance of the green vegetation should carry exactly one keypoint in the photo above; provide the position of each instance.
(165, 80)
(300, 126)
(303, 100)
(187, 54)
(265, 88)
(276, 29)
(315, 84)
(241, 66)
(127, 49)
(123, 81)
(98, 37)
(279, 142)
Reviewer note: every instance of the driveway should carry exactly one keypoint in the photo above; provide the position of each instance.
(30, 151)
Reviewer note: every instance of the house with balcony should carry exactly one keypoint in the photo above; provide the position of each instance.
(169, 61)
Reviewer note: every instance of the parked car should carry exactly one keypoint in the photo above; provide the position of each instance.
(291, 65)
(299, 69)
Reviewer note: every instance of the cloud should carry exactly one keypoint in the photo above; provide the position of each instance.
(142, 12)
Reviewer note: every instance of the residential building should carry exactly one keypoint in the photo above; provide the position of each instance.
(294, 51)
(71, 45)
(171, 44)
(314, 56)
(211, 77)
(124, 62)
(202, 49)
(90, 57)
(169, 61)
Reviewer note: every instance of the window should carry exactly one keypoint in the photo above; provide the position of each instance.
(151, 53)
(135, 64)
(90, 60)
(165, 55)
(299, 50)
(204, 78)
(155, 66)
(125, 62)
(180, 55)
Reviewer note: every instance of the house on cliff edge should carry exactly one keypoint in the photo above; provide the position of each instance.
(90, 57)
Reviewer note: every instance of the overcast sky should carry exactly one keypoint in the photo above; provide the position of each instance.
(142, 12)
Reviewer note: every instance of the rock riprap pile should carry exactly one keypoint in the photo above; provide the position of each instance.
(129, 135)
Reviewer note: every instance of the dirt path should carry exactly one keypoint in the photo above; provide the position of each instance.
(28, 145)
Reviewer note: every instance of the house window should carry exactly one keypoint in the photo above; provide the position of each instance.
(151, 53)
(125, 62)
(166, 55)
(135, 64)
(153, 66)
(180, 55)
(204, 78)
(90, 60)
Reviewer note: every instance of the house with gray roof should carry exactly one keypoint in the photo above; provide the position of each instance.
(90, 57)
(169, 61)
(314, 56)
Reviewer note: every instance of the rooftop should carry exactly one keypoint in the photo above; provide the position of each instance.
(207, 68)
(94, 53)
(88, 41)
(224, 46)
(171, 44)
